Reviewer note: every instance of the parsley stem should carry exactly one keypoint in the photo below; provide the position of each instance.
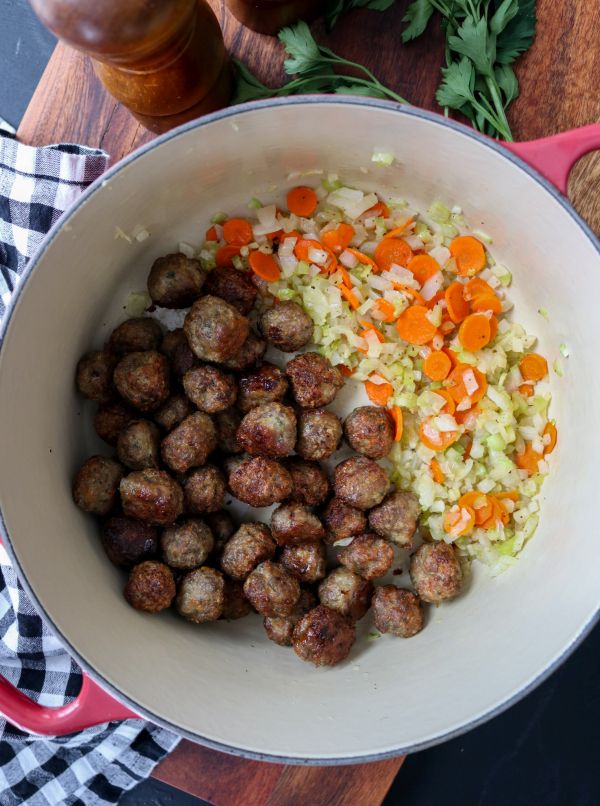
(492, 85)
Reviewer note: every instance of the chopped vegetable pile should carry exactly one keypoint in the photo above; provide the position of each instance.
(413, 305)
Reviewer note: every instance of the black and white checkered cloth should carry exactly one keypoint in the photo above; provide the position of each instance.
(97, 765)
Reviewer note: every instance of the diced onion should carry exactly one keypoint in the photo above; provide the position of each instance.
(348, 260)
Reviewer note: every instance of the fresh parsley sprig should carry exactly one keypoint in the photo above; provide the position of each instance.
(335, 8)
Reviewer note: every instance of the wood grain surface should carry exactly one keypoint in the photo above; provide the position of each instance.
(558, 92)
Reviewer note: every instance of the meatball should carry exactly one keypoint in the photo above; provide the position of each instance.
(342, 521)
(314, 381)
(209, 388)
(360, 482)
(281, 628)
(311, 485)
(397, 611)
(173, 412)
(175, 281)
(268, 430)
(152, 496)
(287, 326)
(235, 605)
(127, 542)
(294, 523)
(323, 637)
(135, 336)
(346, 592)
(305, 561)
(396, 518)
(96, 484)
(368, 555)
(201, 595)
(319, 434)
(171, 340)
(186, 545)
(260, 482)
(369, 431)
(215, 329)
(94, 376)
(111, 419)
(265, 385)
(227, 423)
(150, 587)
(435, 572)
(204, 490)
(183, 360)
(234, 286)
(271, 590)
(138, 444)
(249, 354)
(143, 379)
(250, 545)
(190, 443)
(221, 526)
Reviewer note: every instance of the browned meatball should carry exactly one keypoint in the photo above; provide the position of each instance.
(233, 463)
(268, 430)
(287, 326)
(396, 518)
(96, 485)
(143, 379)
(435, 572)
(280, 629)
(311, 485)
(190, 443)
(186, 545)
(323, 637)
(234, 286)
(150, 587)
(222, 527)
(260, 482)
(175, 281)
(342, 521)
(152, 496)
(173, 412)
(305, 561)
(397, 611)
(314, 381)
(111, 419)
(271, 590)
(201, 595)
(209, 388)
(369, 431)
(94, 376)
(360, 482)
(215, 329)
(265, 385)
(135, 336)
(295, 523)
(235, 605)
(249, 354)
(319, 434)
(250, 545)
(138, 444)
(171, 340)
(368, 555)
(227, 423)
(346, 592)
(127, 542)
(204, 490)
(183, 360)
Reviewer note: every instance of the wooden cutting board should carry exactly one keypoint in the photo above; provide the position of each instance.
(558, 92)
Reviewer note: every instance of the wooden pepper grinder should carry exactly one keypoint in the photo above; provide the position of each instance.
(270, 16)
(163, 59)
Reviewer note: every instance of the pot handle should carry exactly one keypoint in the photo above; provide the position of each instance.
(554, 156)
(92, 706)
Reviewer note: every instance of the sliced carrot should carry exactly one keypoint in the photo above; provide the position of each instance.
(480, 503)
(550, 430)
(469, 255)
(345, 276)
(512, 495)
(392, 251)
(526, 389)
(468, 418)
(468, 446)
(459, 521)
(458, 307)
(452, 356)
(264, 266)
(423, 268)
(368, 327)
(379, 393)
(434, 439)
(437, 297)
(437, 365)
(528, 459)
(397, 232)
(348, 372)
(414, 327)
(456, 384)
(339, 238)
(476, 286)
(493, 328)
(475, 332)
(302, 201)
(533, 367)
(398, 418)
(225, 255)
(211, 234)
(274, 236)
(385, 310)
(380, 209)
(349, 296)
(449, 406)
(362, 258)
(410, 292)
(486, 302)
(237, 232)
(499, 515)
(437, 472)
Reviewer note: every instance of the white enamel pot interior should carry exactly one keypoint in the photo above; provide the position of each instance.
(224, 684)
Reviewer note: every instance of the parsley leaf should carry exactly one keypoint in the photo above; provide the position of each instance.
(473, 40)
(336, 8)
(518, 35)
(457, 84)
(417, 16)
